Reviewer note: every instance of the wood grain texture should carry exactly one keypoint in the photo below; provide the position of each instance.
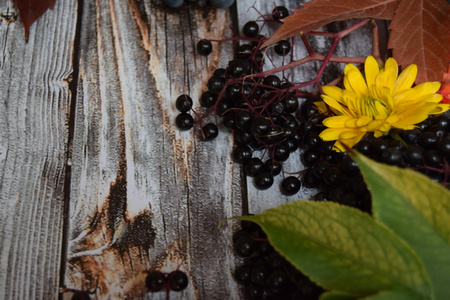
(35, 101)
(144, 194)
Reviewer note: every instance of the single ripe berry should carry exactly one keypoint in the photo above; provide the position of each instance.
(290, 186)
(177, 280)
(208, 99)
(204, 47)
(241, 154)
(210, 131)
(253, 166)
(283, 47)
(215, 84)
(155, 281)
(251, 29)
(244, 246)
(273, 167)
(243, 275)
(290, 103)
(183, 103)
(281, 152)
(280, 12)
(184, 121)
(263, 181)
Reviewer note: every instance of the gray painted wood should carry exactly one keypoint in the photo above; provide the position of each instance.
(35, 101)
(140, 195)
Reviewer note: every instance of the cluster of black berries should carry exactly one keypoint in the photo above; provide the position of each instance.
(265, 274)
(425, 149)
(174, 281)
(259, 110)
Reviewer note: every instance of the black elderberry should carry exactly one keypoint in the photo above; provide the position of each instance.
(276, 261)
(272, 81)
(204, 47)
(241, 154)
(432, 158)
(255, 261)
(307, 126)
(291, 143)
(337, 193)
(177, 280)
(274, 136)
(396, 144)
(273, 167)
(410, 136)
(236, 68)
(210, 131)
(442, 121)
(220, 73)
(290, 186)
(244, 51)
(234, 90)
(263, 180)
(183, 103)
(250, 227)
(280, 12)
(319, 168)
(308, 110)
(243, 137)
(254, 291)
(279, 283)
(322, 196)
(215, 84)
(208, 99)
(244, 246)
(251, 29)
(350, 167)
(437, 130)
(310, 156)
(283, 47)
(281, 152)
(364, 147)
(379, 145)
(242, 275)
(228, 120)
(155, 281)
(309, 180)
(223, 106)
(333, 176)
(413, 155)
(311, 139)
(428, 140)
(184, 121)
(260, 126)
(392, 156)
(444, 147)
(259, 274)
(243, 119)
(253, 166)
(290, 103)
(264, 248)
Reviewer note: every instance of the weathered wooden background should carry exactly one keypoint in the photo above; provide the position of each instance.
(97, 186)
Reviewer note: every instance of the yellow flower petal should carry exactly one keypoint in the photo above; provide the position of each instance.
(332, 92)
(356, 83)
(406, 79)
(336, 122)
(371, 70)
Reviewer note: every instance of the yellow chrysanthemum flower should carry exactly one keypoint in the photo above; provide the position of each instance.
(381, 101)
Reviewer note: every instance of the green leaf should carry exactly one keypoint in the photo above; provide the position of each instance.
(416, 209)
(335, 295)
(392, 295)
(343, 249)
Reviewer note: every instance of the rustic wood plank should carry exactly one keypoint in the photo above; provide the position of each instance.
(35, 101)
(357, 44)
(145, 195)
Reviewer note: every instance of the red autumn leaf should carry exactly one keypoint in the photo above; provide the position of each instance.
(318, 13)
(31, 10)
(420, 35)
(445, 87)
(420, 28)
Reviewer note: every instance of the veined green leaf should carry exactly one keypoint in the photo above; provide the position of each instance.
(343, 249)
(416, 209)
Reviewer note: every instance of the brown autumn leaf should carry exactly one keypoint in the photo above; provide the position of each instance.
(318, 13)
(420, 33)
(31, 10)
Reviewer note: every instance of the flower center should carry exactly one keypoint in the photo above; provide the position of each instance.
(373, 106)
